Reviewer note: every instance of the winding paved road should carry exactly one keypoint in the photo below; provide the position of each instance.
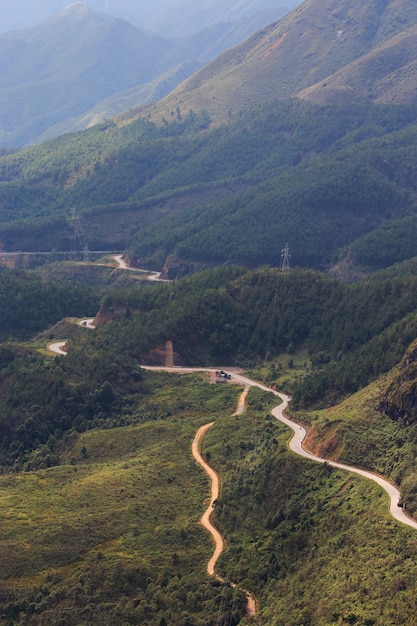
(151, 275)
(57, 347)
(296, 442)
(296, 445)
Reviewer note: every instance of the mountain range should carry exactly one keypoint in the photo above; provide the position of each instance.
(52, 82)
(335, 178)
(79, 67)
(168, 18)
(304, 135)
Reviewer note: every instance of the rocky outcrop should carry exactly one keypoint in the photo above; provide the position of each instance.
(399, 400)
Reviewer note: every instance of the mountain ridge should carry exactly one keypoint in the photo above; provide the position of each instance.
(302, 49)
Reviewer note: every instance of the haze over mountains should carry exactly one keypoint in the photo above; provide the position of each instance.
(79, 67)
(172, 18)
(306, 134)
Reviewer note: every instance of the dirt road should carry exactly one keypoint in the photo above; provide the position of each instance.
(296, 445)
(296, 442)
(205, 520)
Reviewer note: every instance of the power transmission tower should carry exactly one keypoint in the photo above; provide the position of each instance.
(285, 258)
(79, 235)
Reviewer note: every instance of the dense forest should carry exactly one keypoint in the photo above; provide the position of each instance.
(349, 333)
(30, 303)
(321, 178)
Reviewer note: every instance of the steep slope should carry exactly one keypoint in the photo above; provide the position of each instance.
(399, 399)
(311, 43)
(387, 74)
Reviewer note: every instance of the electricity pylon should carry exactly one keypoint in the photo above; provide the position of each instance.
(285, 258)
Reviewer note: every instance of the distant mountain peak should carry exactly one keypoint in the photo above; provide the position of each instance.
(76, 10)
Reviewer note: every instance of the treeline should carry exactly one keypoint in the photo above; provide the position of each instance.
(351, 332)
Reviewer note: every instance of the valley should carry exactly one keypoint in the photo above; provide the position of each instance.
(229, 436)
(90, 450)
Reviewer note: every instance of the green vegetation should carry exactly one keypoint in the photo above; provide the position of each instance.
(30, 303)
(100, 496)
(317, 203)
(111, 536)
(315, 545)
(324, 340)
(348, 334)
(319, 178)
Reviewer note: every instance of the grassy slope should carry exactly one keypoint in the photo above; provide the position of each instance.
(114, 522)
(357, 432)
(310, 44)
(111, 537)
(315, 545)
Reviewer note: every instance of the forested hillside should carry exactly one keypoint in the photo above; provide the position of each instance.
(100, 497)
(352, 333)
(318, 178)
(90, 434)
(349, 334)
(30, 304)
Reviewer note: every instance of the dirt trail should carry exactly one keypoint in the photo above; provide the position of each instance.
(205, 520)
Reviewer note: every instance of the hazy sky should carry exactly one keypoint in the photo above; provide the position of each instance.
(25, 13)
